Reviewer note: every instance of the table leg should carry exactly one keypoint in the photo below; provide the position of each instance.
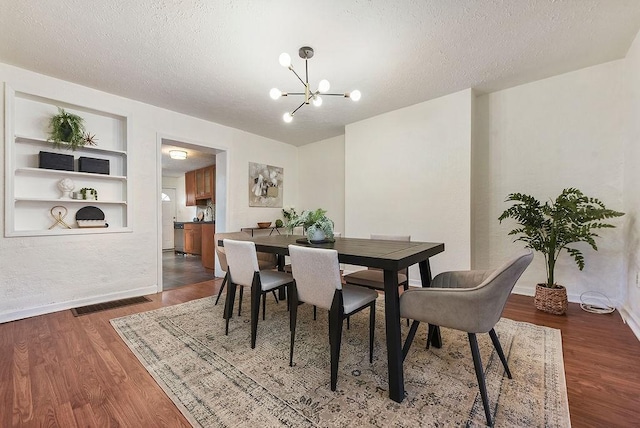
(282, 294)
(394, 336)
(433, 334)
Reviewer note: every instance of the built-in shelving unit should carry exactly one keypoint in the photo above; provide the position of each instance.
(32, 192)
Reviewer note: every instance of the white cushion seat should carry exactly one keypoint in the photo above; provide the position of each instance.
(272, 279)
(354, 297)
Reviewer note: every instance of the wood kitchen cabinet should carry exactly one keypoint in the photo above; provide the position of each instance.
(192, 238)
(200, 185)
(190, 187)
(208, 247)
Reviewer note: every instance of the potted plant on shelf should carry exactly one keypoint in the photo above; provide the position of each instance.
(317, 225)
(67, 130)
(550, 227)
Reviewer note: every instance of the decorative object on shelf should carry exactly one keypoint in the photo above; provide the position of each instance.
(306, 53)
(90, 216)
(93, 165)
(89, 139)
(279, 223)
(178, 154)
(265, 185)
(66, 130)
(59, 217)
(66, 186)
(89, 193)
(317, 225)
(264, 224)
(551, 227)
(48, 160)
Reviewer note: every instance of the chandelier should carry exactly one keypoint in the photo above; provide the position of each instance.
(306, 53)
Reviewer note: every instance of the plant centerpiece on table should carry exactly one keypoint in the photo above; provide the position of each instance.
(550, 228)
(317, 225)
(289, 214)
(67, 130)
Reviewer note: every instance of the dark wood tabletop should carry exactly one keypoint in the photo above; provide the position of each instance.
(390, 256)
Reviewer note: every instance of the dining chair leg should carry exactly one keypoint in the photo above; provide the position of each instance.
(224, 282)
(372, 329)
(240, 301)
(477, 364)
(335, 337)
(348, 323)
(255, 309)
(264, 305)
(275, 296)
(496, 344)
(409, 340)
(228, 310)
(314, 312)
(293, 318)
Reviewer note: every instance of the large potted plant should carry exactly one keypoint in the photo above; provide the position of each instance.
(550, 228)
(67, 130)
(317, 225)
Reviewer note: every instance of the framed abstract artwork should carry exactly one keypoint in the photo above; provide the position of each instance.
(265, 185)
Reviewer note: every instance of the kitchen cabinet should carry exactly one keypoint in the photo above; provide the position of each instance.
(208, 247)
(200, 185)
(192, 238)
(190, 187)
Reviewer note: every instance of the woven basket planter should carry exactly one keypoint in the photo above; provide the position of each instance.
(551, 300)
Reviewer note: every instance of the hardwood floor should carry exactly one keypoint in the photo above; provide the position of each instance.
(59, 370)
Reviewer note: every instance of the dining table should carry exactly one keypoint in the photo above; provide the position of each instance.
(389, 256)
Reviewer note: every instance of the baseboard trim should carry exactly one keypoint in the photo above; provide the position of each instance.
(631, 319)
(61, 306)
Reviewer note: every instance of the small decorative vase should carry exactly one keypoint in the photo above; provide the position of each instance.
(316, 236)
(66, 185)
(551, 300)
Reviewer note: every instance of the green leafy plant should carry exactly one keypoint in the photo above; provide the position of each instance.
(67, 130)
(550, 227)
(88, 190)
(312, 221)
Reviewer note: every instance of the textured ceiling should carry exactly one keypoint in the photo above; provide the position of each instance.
(217, 59)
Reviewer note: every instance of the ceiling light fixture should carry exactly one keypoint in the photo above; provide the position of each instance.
(306, 53)
(177, 154)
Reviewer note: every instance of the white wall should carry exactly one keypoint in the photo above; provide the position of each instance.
(321, 179)
(408, 172)
(45, 274)
(539, 138)
(631, 307)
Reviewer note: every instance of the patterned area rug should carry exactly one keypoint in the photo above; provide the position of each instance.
(219, 381)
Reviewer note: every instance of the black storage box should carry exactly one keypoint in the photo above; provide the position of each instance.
(59, 161)
(96, 166)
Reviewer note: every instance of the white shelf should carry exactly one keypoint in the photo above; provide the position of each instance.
(42, 142)
(48, 171)
(74, 231)
(77, 201)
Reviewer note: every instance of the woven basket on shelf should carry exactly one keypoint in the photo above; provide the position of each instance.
(551, 300)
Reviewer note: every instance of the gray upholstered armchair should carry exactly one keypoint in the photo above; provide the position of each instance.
(470, 301)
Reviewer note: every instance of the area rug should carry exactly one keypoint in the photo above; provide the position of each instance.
(219, 381)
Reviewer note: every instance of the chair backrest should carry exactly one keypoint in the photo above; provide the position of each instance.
(316, 272)
(494, 291)
(265, 260)
(242, 261)
(391, 238)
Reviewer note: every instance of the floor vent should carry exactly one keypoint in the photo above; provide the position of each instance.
(84, 310)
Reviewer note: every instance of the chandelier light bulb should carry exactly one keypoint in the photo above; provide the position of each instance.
(355, 95)
(317, 101)
(275, 93)
(324, 85)
(285, 59)
(287, 117)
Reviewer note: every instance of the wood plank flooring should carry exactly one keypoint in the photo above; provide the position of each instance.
(59, 370)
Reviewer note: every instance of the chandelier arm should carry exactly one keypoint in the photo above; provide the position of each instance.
(336, 95)
(299, 78)
(296, 93)
(293, 112)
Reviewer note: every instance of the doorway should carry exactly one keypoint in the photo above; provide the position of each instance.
(175, 268)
